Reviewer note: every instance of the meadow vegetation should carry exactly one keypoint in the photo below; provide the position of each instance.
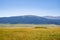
(30, 33)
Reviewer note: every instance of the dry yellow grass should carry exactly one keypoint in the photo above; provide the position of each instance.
(29, 34)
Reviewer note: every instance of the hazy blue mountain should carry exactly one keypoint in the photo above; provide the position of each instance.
(52, 17)
(28, 19)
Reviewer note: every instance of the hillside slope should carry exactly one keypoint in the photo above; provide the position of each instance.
(28, 19)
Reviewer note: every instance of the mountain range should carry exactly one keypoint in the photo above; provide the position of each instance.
(52, 17)
(30, 19)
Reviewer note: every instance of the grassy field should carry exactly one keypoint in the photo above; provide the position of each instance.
(33, 33)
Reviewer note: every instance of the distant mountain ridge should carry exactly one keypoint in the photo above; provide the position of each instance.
(52, 17)
(28, 19)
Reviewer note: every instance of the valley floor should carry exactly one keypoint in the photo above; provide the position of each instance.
(29, 33)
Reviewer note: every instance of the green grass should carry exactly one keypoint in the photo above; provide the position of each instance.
(29, 34)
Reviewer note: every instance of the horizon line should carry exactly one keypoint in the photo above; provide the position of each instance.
(31, 15)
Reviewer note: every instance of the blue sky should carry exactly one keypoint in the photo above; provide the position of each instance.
(29, 7)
